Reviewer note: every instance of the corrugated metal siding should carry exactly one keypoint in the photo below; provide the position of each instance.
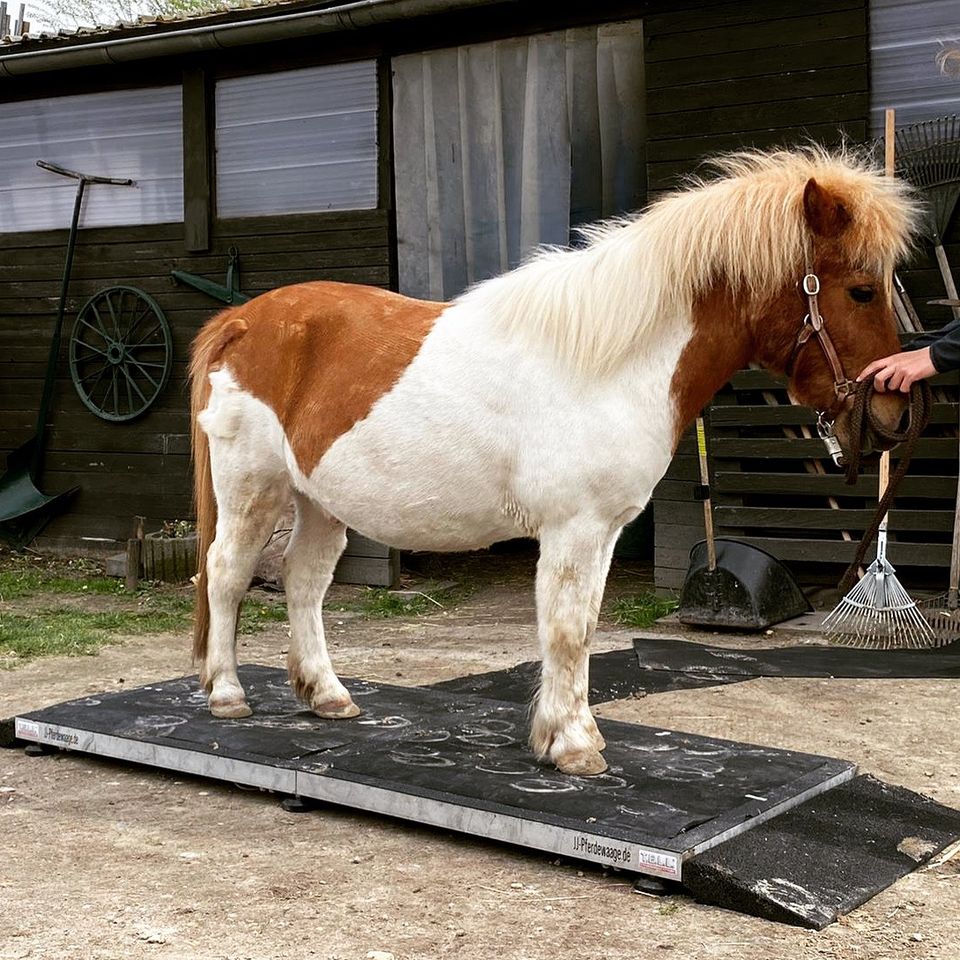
(907, 41)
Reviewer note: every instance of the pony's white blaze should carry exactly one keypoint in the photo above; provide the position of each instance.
(544, 403)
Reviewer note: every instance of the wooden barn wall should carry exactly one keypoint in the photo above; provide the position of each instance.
(721, 76)
(143, 467)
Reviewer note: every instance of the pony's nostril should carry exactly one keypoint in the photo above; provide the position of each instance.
(904, 421)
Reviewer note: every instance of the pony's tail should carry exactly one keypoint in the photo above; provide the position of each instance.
(208, 348)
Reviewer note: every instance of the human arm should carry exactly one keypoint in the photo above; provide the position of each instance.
(936, 351)
(944, 346)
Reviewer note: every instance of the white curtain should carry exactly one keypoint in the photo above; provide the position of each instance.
(297, 141)
(121, 133)
(501, 147)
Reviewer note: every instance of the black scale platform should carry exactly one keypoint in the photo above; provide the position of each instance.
(457, 761)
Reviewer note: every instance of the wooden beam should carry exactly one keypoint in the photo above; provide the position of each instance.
(197, 159)
(385, 165)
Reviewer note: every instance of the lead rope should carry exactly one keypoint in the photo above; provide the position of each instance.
(861, 417)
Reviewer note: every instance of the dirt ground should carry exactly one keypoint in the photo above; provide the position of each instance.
(101, 860)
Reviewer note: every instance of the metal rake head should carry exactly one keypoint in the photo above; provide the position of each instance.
(878, 613)
(928, 155)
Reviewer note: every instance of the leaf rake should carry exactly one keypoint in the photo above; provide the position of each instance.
(928, 155)
(878, 612)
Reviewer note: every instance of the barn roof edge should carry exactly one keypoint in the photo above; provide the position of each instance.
(161, 38)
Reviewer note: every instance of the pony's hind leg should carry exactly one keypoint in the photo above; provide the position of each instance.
(248, 505)
(316, 544)
(570, 576)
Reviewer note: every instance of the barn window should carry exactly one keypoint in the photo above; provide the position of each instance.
(503, 146)
(297, 141)
(122, 133)
(915, 55)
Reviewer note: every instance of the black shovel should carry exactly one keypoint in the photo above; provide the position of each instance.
(730, 584)
(24, 508)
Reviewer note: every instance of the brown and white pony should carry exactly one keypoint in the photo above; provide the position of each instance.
(543, 403)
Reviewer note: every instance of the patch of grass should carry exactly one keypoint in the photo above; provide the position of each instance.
(642, 610)
(254, 613)
(381, 604)
(73, 632)
(254, 616)
(25, 582)
(378, 603)
(79, 627)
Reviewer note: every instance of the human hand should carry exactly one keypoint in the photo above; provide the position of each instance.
(900, 370)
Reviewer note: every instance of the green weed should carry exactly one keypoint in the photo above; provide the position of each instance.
(381, 604)
(378, 603)
(254, 616)
(642, 610)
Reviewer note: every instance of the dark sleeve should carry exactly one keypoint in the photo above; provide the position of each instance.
(944, 346)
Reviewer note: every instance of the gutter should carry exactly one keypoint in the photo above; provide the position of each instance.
(343, 17)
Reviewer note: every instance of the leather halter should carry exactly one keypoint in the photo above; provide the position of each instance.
(813, 326)
(843, 387)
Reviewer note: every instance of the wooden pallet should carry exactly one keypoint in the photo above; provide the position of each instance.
(766, 492)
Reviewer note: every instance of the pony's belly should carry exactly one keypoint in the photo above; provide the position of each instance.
(408, 512)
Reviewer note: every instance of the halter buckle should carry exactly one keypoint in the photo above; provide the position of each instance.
(810, 284)
(844, 388)
(829, 437)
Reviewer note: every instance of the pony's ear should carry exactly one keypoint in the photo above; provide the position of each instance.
(826, 215)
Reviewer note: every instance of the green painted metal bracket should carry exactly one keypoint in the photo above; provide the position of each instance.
(228, 293)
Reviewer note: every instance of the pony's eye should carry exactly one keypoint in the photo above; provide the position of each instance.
(862, 294)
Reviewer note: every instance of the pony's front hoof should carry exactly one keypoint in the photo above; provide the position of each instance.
(230, 709)
(581, 763)
(336, 710)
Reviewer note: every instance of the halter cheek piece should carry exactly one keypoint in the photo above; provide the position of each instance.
(861, 414)
(843, 386)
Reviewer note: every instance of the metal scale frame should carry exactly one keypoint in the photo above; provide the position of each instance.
(454, 761)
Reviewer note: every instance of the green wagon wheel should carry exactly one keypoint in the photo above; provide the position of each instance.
(121, 353)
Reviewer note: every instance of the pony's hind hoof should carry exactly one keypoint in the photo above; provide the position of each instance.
(337, 710)
(230, 709)
(581, 763)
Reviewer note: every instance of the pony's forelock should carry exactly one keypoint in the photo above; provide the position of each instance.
(744, 227)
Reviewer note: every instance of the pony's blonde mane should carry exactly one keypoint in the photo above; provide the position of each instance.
(592, 306)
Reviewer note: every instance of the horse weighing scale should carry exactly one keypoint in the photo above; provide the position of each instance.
(455, 761)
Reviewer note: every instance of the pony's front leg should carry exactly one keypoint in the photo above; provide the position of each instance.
(571, 572)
